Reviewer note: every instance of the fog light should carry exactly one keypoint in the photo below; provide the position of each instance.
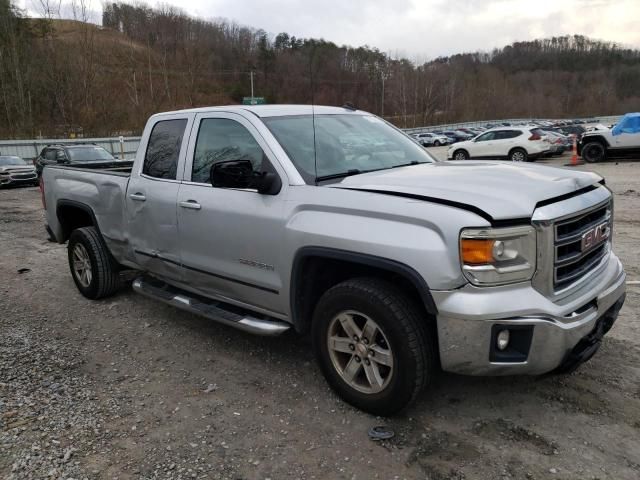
(502, 339)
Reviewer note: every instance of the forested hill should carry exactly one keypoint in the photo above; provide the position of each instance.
(62, 76)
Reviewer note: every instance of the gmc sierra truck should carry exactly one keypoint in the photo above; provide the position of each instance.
(331, 222)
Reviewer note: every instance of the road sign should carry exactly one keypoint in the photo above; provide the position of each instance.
(253, 101)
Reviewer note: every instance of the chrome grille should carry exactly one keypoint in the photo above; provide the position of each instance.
(573, 257)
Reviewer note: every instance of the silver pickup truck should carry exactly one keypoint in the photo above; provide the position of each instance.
(330, 222)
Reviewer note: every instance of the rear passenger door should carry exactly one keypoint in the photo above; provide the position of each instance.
(151, 198)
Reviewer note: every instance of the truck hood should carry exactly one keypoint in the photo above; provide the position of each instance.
(501, 190)
(17, 169)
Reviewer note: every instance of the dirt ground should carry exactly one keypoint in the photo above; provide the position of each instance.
(129, 388)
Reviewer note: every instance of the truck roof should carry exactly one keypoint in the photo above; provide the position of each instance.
(271, 110)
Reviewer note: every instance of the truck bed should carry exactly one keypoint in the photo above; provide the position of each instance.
(100, 189)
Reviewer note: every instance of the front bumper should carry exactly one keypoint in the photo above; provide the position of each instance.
(466, 319)
(18, 179)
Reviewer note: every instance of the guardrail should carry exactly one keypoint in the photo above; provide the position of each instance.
(28, 149)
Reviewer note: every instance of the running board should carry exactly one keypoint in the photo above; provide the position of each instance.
(217, 311)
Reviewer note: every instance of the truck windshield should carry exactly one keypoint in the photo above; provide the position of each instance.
(343, 145)
(89, 154)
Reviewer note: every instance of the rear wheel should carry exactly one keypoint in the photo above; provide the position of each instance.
(518, 155)
(461, 155)
(594, 152)
(373, 345)
(93, 269)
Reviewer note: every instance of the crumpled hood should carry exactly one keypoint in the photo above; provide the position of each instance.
(500, 189)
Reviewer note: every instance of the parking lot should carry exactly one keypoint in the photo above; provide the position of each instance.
(129, 388)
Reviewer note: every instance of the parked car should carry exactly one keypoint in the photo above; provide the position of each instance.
(70, 154)
(395, 264)
(518, 144)
(432, 139)
(559, 143)
(577, 130)
(621, 141)
(456, 135)
(15, 171)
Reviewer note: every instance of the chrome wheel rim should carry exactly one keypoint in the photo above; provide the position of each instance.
(460, 156)
(517, 157)
(82, 265)
(360, 352)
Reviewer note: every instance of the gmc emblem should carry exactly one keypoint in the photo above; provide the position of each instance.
(595, 236)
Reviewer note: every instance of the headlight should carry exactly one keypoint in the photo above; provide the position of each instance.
(495, 256)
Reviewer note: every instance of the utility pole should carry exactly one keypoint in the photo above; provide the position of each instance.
(384, 77)
(251, 84)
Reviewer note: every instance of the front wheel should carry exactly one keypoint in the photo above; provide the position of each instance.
(594, 152)
(373, 345)
(93, 269)
(460, 155)
(436, 143)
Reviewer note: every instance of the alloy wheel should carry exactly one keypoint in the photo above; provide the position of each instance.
(82, 265)
(360, 352)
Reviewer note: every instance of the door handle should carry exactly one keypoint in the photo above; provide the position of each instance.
(138, 197)
(192, 204)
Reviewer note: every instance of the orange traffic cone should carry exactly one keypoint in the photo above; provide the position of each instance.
(575, 160)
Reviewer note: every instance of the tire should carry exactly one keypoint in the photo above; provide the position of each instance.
(404, 353)
(518, 155)
(460, 155)
(436, 143)
(87, 247)
(594, 152)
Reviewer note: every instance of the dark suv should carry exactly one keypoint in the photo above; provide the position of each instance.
(70, 154)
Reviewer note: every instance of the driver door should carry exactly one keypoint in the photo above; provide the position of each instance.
(230, 238)
(483, 145)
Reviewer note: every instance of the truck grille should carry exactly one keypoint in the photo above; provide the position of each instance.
(23, 176)
(580, 243)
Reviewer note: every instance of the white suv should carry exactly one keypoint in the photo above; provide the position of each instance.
(518, 144)
(432, 139)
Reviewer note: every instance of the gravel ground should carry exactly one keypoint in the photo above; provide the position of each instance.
(130, 388)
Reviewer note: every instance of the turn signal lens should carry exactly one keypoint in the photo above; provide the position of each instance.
(477, 252)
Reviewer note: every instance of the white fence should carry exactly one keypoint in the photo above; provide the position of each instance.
(29, 149)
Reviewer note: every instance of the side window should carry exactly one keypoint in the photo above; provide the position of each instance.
(50, 154)
(485, 137)
(222, 140)
(512, 133)
(163, 150)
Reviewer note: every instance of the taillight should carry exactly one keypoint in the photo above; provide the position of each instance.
(41, 186)
(535, 136)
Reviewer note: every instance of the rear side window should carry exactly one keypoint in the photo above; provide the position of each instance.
(163, 150)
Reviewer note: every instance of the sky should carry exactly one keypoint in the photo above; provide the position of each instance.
(417, 29)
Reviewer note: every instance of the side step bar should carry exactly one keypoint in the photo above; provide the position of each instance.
(211, 309)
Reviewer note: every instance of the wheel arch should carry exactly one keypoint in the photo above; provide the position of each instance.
(72, 215)
(316, 269)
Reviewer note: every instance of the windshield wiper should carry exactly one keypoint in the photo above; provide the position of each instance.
(412, 162)
(348, 173)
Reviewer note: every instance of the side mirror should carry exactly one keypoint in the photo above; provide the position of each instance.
(240, 174)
